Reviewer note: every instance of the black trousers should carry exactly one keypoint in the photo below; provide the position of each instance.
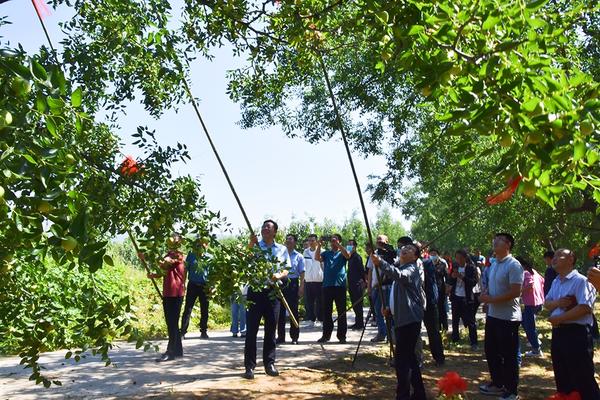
(573, 361)
(501, 348)
(195, 291)
(443, 312)
(172, 309)
(408, 372)
(462, 310)
(261, 305)
(356, 292)
(335, 294)
(475, 307)
(432, 324)
(290, 293)
(313, 301)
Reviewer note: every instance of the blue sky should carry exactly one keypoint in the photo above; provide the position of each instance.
(275, 176)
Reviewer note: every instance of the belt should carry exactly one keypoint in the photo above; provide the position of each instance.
(571, 326)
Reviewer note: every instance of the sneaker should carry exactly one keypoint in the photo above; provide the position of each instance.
(533, 353)
(489, 389)
(243, 334)
(249, 374)
(509, 396)
(378, 338)
(318, 324)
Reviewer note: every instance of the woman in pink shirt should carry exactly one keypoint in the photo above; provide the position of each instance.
(533, 299)
(173, 291)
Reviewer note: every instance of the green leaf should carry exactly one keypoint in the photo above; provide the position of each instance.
(530, 105)
(596, 195)
(578, 151)
(56, 105)
(545, 178)
(108, 260)
(536, 4)
(38, 71)
(536, 23)
(490, 22)
(416, 29)
(592, 156)
(76, 98)
(562, 102)
(51, 125)
(40, 103)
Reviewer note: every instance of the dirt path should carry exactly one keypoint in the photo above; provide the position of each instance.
(216, 361)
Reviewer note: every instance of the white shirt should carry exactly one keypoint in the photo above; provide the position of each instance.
(313, 270)
(460, 284)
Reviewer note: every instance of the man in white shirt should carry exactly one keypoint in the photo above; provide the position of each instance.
(313, 283)
(570, 302)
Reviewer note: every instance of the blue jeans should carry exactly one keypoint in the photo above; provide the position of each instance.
(381, 329)
(238, 317)
(529, 326)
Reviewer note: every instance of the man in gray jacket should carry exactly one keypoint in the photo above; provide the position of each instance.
(407, 308)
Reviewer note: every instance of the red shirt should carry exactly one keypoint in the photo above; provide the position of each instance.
(173, 283)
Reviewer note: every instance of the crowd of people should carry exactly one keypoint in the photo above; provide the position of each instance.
(408, 286)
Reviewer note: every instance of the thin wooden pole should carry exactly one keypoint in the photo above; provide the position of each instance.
(388, 322)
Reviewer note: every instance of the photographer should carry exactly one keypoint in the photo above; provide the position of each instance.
(388, 254)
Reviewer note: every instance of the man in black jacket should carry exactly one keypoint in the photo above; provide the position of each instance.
(431, 318)
(356, 283)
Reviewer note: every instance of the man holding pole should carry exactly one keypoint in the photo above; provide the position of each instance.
(408, 309)
(313, 284)
(334, 287)
(264, 305)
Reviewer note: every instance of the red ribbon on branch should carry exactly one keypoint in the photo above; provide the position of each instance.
(594, 251)
(507, 193)
(129, 166)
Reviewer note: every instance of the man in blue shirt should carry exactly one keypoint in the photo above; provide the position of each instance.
(334, 287)
(262, 304)
(292, 291)
(196, 288)
(570, 302)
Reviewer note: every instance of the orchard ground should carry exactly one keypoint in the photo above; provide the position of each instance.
(211, 369)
